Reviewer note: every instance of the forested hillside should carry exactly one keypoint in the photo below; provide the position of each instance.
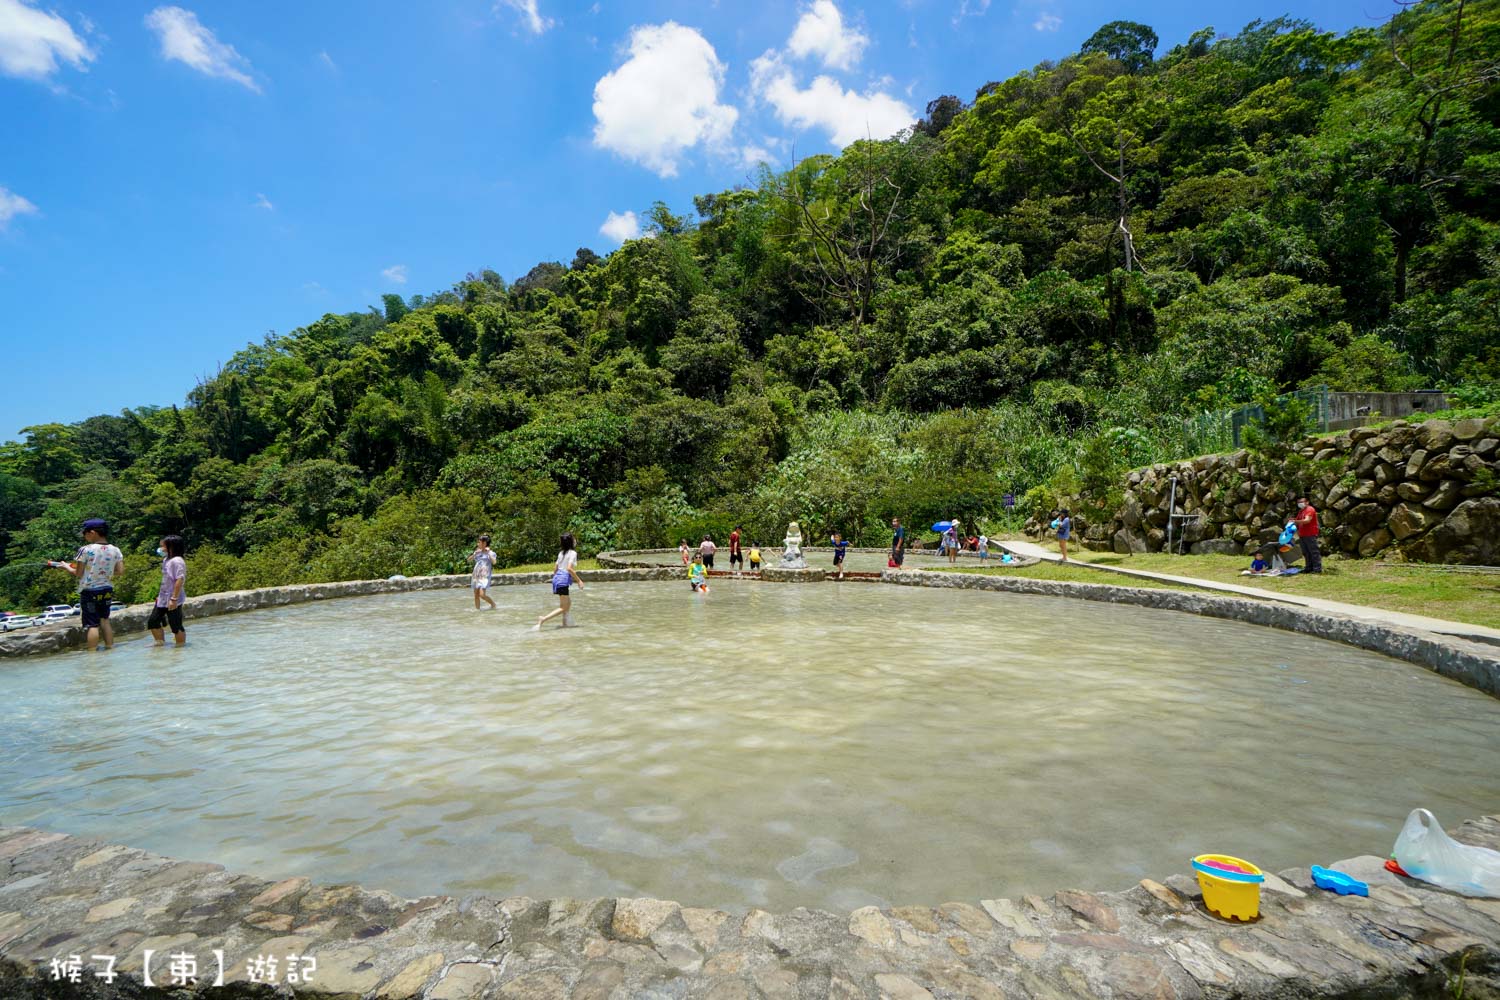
(1026, 290)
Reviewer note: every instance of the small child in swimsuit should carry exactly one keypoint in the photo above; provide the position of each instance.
(698, 574)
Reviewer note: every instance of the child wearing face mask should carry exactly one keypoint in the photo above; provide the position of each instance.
(168, 609)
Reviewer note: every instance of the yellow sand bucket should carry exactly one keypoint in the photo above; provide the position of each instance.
(1231, 886)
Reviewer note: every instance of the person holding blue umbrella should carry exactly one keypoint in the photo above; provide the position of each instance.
(950, 540)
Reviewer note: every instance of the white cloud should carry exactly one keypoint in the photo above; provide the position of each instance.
(845, 115)
(327, 60)
(1047, 21)
(752, 155)
(185, 39)
(530, 16)
(970, 8)
(33, 43)
(663, 100)
(820, 32)
(261, 201)
(621, 226)
(396, 273)
(12, 205)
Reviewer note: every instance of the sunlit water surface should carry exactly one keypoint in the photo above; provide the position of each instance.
(766, 745)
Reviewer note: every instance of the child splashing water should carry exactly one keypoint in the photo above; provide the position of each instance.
(564, 576)
(698, 574)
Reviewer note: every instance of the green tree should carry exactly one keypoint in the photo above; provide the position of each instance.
(20, 501)
(1129, 42)
(49, 454)
(647, 506)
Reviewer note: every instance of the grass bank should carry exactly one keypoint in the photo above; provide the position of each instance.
(1457, 593)
(1065, 574)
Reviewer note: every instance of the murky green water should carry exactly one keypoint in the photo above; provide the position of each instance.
(829, 745)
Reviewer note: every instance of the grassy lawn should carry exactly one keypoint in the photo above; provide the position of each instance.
(1454, 593)
(584, 565)
(1067, 574)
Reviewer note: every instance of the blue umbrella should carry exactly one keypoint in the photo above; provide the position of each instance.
(942, 526)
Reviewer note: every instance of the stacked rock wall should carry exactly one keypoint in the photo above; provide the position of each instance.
(1426, 492)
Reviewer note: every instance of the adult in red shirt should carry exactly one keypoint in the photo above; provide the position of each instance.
(736, 558)
(1307, 535)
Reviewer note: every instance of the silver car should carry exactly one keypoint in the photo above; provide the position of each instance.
(12, 622)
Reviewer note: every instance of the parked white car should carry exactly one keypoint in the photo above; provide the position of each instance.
(59, 609)
(12, 622)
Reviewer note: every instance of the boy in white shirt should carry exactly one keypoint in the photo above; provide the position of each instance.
(97, 565)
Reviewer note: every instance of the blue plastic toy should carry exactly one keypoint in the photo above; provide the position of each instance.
(1344, 885)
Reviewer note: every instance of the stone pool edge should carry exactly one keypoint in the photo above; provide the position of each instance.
(56, 638)
(62, 895)
(1474, 664)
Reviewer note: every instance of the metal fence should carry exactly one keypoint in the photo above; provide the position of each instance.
(1221, 430)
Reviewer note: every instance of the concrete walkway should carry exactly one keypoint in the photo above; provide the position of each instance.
(1462, 630)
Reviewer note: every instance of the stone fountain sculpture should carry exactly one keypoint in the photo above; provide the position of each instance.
(791, 553)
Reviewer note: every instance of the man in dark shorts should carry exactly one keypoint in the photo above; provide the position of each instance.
(898, 542)
(1307, 536)
(707, 550)
(736, 557)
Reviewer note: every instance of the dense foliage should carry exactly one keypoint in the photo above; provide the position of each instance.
(1022, 294)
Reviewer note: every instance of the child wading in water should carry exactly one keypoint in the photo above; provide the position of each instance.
(840, 549)
(698, 574)
(755, 557)
(97, 565)
(483, 559)
(682, 550)
(168, 608)
(564, 575)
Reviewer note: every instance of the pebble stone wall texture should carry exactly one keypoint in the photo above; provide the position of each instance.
(62, 896)
(1426, 491)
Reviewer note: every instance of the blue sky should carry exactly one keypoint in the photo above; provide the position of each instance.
(177, 181)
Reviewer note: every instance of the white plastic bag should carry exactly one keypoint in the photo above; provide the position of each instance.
(1424, 851)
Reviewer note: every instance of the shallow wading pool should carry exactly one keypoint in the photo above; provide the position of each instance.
(830, 745)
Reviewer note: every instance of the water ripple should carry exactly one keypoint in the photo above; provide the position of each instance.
(766, 746)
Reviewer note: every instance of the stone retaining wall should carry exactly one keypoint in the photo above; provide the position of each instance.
(1473, 663)
(1426, 491)
(64, 896)
(54, 638)
(807, 574)
(624, 558)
